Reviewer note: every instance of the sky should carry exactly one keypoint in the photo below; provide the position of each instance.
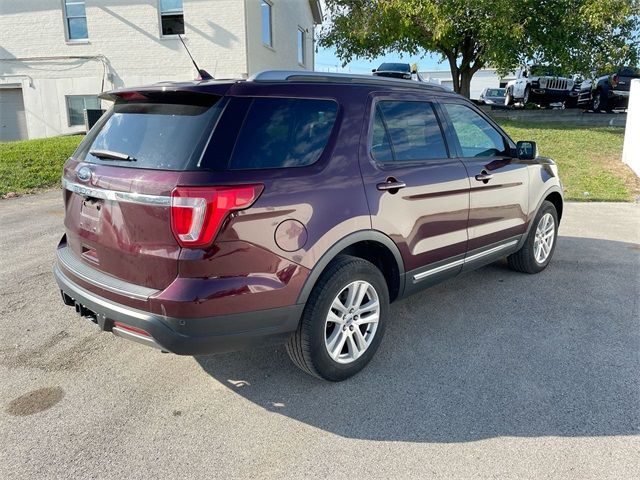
(327, 61)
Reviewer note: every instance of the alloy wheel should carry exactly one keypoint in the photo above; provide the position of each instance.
(352, 322)
(545, 236)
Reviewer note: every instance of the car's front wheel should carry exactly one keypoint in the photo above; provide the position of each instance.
(508, 97)
(538, 248)
(343, 321)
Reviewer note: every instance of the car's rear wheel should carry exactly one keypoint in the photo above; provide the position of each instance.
(538, 248)
(343, 321)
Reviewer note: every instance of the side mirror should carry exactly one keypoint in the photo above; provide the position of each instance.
(414, 71)
(373, 70)
(526, 150)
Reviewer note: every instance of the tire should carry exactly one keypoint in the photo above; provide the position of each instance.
(527, 93)
(309, 345)
(598, 103)
(527, 259)
(508, 97)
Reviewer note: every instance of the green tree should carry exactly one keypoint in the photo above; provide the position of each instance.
(575, 36)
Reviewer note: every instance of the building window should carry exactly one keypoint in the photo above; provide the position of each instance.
(267, 37)
(76, 20)
(171, 17)
(301, 47)
(77, 104)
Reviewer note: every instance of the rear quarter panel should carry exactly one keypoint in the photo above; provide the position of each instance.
(306, 210)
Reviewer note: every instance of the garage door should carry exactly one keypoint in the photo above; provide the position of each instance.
(13, 123)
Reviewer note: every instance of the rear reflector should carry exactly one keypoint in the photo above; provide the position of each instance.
(129, 328)
(198, 212)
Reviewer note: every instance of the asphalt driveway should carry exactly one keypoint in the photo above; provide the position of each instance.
(491, 375)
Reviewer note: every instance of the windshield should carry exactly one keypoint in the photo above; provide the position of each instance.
(542, 71)
(495, 92)
(163, 136)
(395, 67)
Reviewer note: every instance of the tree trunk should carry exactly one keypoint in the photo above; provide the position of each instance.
(462, 74)
(461, 77)
(465, 82)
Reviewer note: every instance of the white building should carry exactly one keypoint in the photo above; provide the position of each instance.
(61, 54)
(484, 78)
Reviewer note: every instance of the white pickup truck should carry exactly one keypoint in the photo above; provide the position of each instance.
(538, 84)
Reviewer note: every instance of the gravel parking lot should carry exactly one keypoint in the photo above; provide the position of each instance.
(491, 375)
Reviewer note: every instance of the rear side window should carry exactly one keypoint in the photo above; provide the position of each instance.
(163, 136)
(283, 132)
(405, 131)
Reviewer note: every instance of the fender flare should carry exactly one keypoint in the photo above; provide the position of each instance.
(336, 248)
(550, 190)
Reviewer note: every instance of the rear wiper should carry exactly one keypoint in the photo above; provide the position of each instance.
(111, 155)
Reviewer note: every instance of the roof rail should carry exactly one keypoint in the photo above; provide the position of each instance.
(325, 77)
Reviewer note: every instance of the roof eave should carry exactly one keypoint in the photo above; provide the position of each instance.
(316, 11)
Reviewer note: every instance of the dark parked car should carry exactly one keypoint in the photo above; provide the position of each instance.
(492, 96)
(608, 92)
(394, 70)
(208, 216)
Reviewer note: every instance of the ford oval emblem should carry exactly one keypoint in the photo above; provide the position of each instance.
(83, 173)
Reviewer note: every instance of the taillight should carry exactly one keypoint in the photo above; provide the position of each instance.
(131, 96)
(198, 212)
(614, 80)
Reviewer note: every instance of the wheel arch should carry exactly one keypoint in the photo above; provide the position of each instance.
(553, 195)
(558, 202)
(370, 245)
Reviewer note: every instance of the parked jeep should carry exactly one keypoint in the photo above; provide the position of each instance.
(540, 85)
(209, 216)
(607, 92)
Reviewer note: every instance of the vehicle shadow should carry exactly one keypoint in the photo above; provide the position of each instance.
(492, 353)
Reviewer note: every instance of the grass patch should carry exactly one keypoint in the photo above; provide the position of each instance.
(30, 165)
(589, 159)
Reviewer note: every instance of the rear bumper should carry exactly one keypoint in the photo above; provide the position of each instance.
(182, 336)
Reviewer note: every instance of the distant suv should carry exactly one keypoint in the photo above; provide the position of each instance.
(540, 85)
(608, 92)
(207, 216)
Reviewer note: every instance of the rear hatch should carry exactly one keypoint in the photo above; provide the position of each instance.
(624, 77)
(118, 184)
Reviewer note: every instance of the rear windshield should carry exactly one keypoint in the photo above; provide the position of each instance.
(629, 72)
(283, 132)
(163, 136)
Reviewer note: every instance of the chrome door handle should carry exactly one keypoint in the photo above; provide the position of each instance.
(390, 185)
(484, 177)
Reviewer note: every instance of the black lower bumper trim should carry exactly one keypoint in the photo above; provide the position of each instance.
(211, 335)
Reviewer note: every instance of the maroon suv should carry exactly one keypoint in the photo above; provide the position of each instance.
(208, 216)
